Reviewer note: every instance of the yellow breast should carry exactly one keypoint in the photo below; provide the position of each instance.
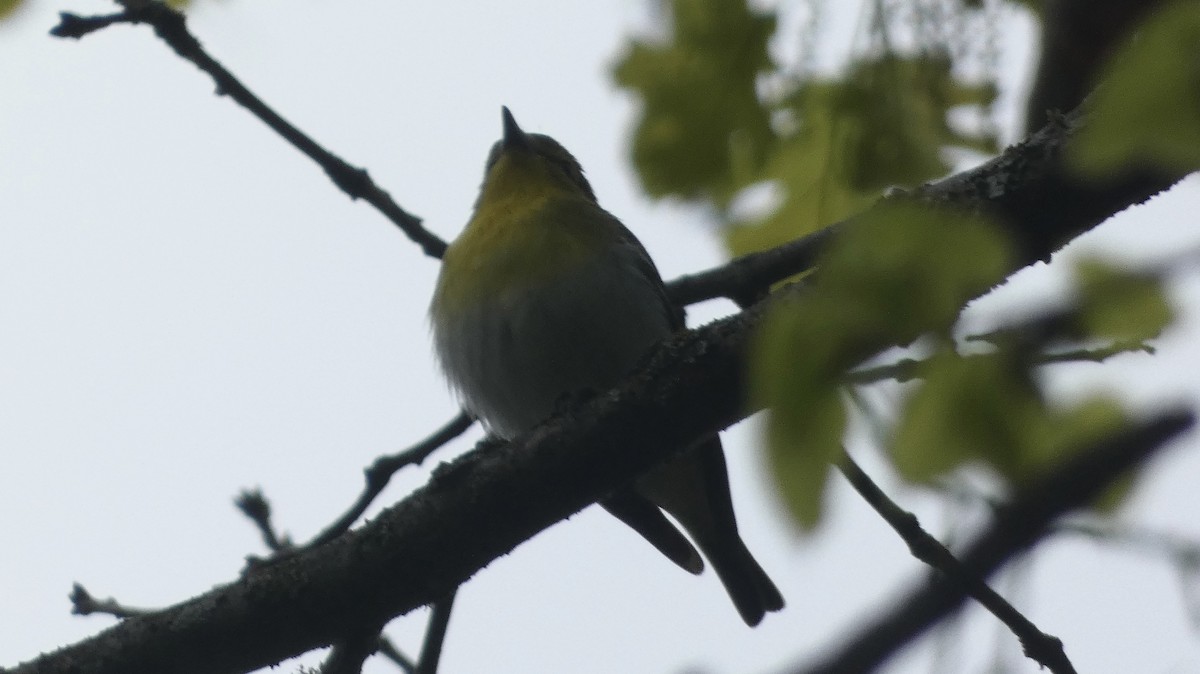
(519, 241)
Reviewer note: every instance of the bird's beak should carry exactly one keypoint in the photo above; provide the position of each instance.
(513, 135)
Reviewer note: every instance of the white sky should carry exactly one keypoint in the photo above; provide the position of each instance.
(189, 307)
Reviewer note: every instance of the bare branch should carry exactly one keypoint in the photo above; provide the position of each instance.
(1016, 527)
(745, 279)
(255, 506)
(1043, 648)
(1078, 39)
(83, 603)
(171, 27)
(388, 650)
(435, 634)
(380, 473)
(999, 188)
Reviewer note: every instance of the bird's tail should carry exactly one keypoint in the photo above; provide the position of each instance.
(694, 488)
(748, 585)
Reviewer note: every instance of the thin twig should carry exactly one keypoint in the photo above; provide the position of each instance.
(907, 369)
(1043, 648)
(83, 603)
(1075, 481)
(255, 506)
(435, 635)
(746, 279)
(380, 473)
(171, 26)
(388, 650)
(75, 26)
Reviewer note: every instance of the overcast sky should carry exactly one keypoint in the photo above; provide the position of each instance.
(190, 308)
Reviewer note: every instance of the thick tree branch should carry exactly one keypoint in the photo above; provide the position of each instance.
(1027, 191)
(745, 278)
(473, 511)
(348, 655)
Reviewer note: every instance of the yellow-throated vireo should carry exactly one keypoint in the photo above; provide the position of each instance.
(545, 294)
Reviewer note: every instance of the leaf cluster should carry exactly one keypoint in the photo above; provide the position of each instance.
(902, 278)
(721, 115)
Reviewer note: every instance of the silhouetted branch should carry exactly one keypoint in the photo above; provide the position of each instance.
(435, 634)
(255, 506)
(389, 651)
(1026, 189)
(83, 603)
(171, 27)
(1043, 648)
(745, 279)
(380, 473)
(1074, 483)
(1078, 39)
(348, 655)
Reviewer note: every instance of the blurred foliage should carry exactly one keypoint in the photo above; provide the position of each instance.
(722, 119)
(990, 409)
(1121, 306)
(1146, 113)
(901, 272)
(901, 275)
(7, 7)
(720, 115)
(702, 119)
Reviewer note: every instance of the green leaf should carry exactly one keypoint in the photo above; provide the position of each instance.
(975, 408)
(813, 196)
(701, 117)
(912, 268)
(1146, 111)
(884, 123)
(1119, 305)
(801, 454)
(987, 409)
(807, 418)
(898, 272)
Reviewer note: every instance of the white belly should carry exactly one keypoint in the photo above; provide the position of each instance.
(512, 357)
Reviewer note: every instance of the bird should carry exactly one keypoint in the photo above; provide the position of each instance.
(545, 294)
